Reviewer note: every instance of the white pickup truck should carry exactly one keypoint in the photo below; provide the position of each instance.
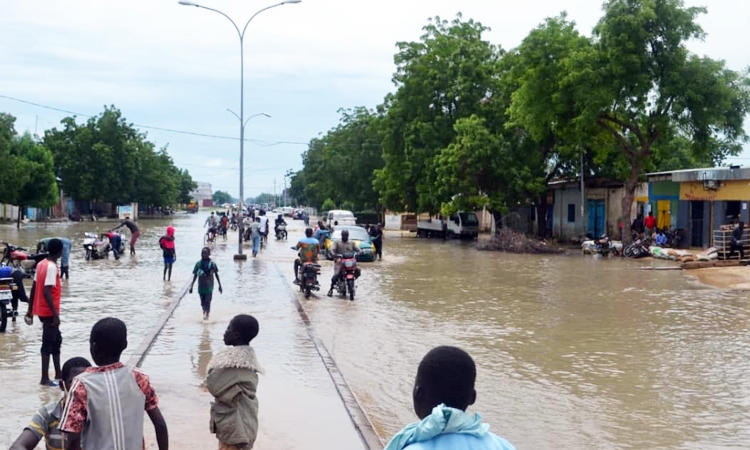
(460, 225)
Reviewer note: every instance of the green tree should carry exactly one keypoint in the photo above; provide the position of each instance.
(40, 187)
(15, 171)
(540, 110)
(641, 85)
(186, 186)
(297, 187)
(444, 77)
(340, 165)
(108, 159)
(328, 205)
(221, 197)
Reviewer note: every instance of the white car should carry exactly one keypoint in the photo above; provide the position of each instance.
(341, 216)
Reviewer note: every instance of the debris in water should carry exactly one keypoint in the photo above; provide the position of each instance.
(507, 240)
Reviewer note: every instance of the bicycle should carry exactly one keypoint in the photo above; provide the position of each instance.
(210, 236)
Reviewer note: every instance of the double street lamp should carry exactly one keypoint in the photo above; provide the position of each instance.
(241, 117)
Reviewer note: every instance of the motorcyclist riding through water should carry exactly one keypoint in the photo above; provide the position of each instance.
(308, 248)
(279, 221)
(338, 249)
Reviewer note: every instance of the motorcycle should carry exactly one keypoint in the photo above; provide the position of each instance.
(348, 274)
(604, 246)
(638, 249)
(7, 286)
(281, 232)
(98, 249)
(308, 277)
(20, 258)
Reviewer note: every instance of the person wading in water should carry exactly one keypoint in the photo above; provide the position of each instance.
(134, 232)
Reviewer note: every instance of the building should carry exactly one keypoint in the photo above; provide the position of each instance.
(699, 201)
(202, 193)
(603, 208)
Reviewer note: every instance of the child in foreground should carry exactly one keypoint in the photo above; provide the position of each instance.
(106, 403)
(233, 381)
(444, 388)
(45, 423)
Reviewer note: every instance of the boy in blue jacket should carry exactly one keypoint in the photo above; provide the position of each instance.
(444, 388)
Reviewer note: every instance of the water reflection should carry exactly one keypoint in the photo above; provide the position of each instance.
(204, 354)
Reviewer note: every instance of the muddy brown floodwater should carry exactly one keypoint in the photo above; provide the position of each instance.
(573, 352)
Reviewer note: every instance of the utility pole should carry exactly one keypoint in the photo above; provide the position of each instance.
(583, 201)
(274, 192)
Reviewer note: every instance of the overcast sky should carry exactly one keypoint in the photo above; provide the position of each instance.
(177, 67)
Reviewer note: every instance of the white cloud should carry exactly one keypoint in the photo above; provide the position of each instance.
(178, 67)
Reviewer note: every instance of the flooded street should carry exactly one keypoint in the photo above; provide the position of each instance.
(572, 352)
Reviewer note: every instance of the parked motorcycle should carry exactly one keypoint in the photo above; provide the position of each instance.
(20, 258)
(95, 248)
(7, 286)
(348, 274)
(281, 233)
(603, 245)
(638, 249)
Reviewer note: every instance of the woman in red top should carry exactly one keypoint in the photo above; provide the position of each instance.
(166, 243)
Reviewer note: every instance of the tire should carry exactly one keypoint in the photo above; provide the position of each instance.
(350, 286)
(3, 318)
(88, 255)
(307, 291)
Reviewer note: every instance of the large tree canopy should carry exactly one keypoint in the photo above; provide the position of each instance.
(107, 159)
(641, 85)
(470, 125)
(28, 177)
(446, 76)
(340, 165)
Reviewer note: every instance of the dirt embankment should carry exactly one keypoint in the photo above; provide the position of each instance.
(737, 278)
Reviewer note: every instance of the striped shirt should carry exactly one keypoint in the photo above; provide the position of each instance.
(106, 407)
(45, 425)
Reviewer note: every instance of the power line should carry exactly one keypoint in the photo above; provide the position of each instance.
(149, 127)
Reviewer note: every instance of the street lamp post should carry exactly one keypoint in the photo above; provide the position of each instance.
(241, 117)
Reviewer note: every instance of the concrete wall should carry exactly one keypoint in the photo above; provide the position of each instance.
(8, 212)
(561, 228)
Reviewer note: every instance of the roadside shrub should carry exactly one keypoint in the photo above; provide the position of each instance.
(328, 205)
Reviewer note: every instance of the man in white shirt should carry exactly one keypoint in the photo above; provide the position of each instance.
(263, 224)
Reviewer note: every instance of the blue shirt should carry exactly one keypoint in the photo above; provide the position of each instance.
(661, 239)
(458, 441)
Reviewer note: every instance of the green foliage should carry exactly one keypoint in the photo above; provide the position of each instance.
(297, 188)
(15, 174)
(107, 159)
(221, 197)
(471, 126)
(640, 85)
(446, 76)
(40, 189)
(328, 205)
(28, 177)
(340, 165)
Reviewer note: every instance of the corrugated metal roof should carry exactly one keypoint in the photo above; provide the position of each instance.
(708, 173)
